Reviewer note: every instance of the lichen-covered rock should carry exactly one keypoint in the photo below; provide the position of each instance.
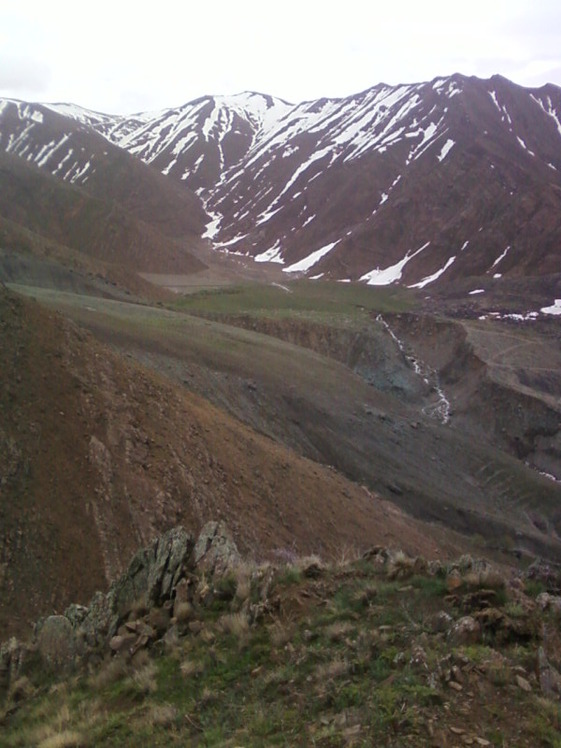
(153, 573)
(100, 622)
(466, 630)
(56, 643)
(215, 551)
(172, 555)
(76, 614)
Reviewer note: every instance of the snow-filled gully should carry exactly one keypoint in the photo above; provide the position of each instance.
(440, 410)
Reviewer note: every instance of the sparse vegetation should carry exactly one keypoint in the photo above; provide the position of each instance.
(348, 656)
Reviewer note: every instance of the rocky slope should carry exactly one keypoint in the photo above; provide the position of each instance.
(196, 645)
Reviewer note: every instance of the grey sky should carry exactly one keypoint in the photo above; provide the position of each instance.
(121, 56)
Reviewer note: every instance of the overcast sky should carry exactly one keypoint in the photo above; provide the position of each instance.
(122, 57)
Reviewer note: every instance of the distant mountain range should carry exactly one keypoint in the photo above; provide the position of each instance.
(429, 185)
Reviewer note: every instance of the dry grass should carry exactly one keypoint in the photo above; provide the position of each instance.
(57, 731)
(366, 595)
(61, 726)
(400, 566)
(243, 573)
(139, 608)
(144, 679)
(160, 715)
(489, 578)
(183, 612)
(190, 668)
(310, 566)
(64, 739)
(348, 556)
(110, 672)
(337, 631)
(332, 670)
(235, 624)
(281, 632)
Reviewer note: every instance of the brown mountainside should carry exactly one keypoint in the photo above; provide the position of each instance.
(98, 455)
(95, 228)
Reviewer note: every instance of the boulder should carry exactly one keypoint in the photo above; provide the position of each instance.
(440, 622)
(506, 630)
(547, 574)
(56, 643)
(172, 555)
(215, 551)
(466, 630)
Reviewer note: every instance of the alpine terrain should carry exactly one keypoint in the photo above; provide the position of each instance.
(302, 364)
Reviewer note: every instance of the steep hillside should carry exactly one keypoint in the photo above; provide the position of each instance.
(389, 425)
(110, 205)
(93, 227)
(97, 455)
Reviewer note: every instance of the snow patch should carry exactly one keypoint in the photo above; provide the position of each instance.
(523, 144)
(308, 220)
(501, 257)
(434, 276)
(386, 276)
(550, 111)
(446, 148)
(310, 260)
(213, 225)
(271, 255)
(554, 309)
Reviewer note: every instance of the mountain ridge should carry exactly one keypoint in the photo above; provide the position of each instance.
(424, 184)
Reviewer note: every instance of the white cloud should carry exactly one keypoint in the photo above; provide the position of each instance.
(125, 56)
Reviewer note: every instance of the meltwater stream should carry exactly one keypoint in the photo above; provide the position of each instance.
(441, 408)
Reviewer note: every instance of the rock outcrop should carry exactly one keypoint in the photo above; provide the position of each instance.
(136, 610)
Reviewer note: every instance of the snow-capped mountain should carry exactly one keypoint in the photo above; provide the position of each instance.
(419, 184)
